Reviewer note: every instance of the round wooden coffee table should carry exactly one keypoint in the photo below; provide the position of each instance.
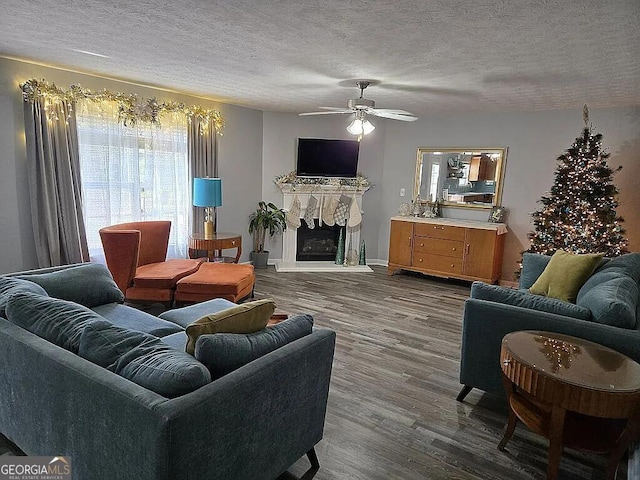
(574, 392)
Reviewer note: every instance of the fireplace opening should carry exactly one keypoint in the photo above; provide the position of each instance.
(317, 244)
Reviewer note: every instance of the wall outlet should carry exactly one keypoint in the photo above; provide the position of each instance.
(402, 192)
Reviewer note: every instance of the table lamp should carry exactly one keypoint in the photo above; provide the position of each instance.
(207, 193)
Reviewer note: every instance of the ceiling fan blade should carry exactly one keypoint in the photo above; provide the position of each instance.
(389, 110)
(332, 112)
(336, 109)
(405, 117)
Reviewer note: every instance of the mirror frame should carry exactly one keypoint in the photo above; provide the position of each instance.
(499, 175)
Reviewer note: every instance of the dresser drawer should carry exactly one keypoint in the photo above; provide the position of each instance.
(436, 230)
(438, 263)
(439, 246)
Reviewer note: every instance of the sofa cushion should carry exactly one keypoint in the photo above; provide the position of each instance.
(134, 319)
(565, 274)
(164, 274)
(246, 318)
(176, 340)
(11, 285)
(627, 265)
(59, 321)
(89, 284)
(613, 302)
(223, 353)
(143, 359)
(533, 264)
(186, 315)
(524, 299)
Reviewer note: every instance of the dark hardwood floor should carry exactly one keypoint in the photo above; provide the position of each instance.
(392, 412)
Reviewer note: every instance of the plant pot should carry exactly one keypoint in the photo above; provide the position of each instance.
(259, 259)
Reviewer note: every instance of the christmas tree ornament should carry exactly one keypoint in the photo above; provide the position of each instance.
(362, 258)
(340, 252)
(351, 259)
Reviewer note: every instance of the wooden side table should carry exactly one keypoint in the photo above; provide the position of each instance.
(574, 392)
(215, 245)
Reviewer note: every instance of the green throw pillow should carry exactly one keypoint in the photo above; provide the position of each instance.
(245, 318)
(565, 274)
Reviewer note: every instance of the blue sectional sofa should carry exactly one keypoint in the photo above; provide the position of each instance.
(251, 423)
(607, 311)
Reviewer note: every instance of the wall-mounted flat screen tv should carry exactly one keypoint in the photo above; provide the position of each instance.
(327, 158)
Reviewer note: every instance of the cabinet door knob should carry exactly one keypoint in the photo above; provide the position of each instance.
(452, 265)
(422, 244)
(454, 249)
(420, 260)
(233, 242)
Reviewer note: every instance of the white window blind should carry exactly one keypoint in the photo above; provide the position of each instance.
(133, 173)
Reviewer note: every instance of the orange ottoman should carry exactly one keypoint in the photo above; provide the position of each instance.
(230, 281)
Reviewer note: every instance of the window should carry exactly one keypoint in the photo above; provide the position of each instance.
(131, 174)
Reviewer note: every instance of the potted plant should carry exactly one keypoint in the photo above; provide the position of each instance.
(266, 218)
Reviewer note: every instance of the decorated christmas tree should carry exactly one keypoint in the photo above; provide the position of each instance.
(579, 214)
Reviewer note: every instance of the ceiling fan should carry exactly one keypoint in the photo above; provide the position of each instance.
(360, 108)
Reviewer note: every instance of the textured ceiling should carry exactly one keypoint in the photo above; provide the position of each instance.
(293, 56)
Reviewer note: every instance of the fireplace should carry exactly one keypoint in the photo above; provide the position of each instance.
(314, 250)
(317, 244)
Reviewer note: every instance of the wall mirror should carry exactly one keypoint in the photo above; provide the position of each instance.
(468, 177)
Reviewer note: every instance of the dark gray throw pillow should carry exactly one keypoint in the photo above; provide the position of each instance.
(11, 285)
(223, 353)
(58, 321)
(142, 359)
(90, 284)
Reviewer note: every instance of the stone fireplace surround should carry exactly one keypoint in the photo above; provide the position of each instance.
(290, 235)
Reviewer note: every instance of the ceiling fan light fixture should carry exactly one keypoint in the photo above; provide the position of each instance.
(356, 127)
(367, 127)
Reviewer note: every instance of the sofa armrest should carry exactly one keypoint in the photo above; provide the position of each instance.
(258, 420)
(485, 323)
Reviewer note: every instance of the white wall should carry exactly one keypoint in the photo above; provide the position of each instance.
(240, 158)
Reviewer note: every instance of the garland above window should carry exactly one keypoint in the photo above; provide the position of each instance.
(131, 110)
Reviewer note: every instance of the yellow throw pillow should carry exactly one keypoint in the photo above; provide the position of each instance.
(565, 274)
(245, 318)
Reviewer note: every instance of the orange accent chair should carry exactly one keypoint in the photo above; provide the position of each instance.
(136, 255)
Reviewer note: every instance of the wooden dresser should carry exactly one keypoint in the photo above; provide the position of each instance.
(444, 247)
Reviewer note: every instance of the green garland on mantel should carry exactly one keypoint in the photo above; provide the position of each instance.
(131, 110)
(359, 182)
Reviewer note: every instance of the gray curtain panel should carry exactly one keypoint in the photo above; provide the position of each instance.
(53, 170)
(203, 161)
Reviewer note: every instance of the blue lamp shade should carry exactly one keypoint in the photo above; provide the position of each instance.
(207, 192)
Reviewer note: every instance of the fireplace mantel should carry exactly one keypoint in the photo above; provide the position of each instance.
(290, 235)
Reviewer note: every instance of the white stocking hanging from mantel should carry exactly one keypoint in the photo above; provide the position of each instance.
(293, 215)
(310, 212)
(355, 215)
